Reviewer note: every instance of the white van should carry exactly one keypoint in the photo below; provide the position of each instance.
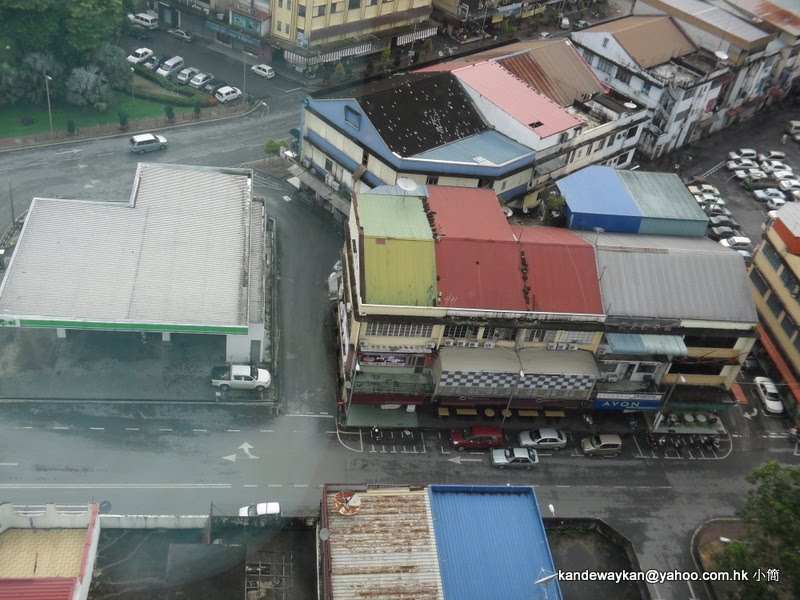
(793, 127)
(145, 20)
(228, 94)
(147, 142)
(173, 65)
(563, 23)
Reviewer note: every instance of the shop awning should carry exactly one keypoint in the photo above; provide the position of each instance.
(638, 343)
(783, 368)
(321, 188)
(364, 415)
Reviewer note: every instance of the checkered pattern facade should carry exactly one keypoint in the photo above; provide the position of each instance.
(500, 384)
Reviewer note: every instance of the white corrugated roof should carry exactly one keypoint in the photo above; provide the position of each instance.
(385, 550)
(176, 254)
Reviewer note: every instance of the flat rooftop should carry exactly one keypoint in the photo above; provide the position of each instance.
(40, 553)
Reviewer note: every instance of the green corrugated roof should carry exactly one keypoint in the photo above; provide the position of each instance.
(399, 217)
(398, 251)
(662, 196)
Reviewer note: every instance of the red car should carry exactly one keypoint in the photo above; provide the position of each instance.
(478, 437)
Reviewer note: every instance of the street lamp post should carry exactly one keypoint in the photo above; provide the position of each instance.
(47, 80)
(660, 415)
(133, 94)
(511, 398)
(265, 105)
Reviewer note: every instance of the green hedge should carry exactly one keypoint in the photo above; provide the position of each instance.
(191, 95)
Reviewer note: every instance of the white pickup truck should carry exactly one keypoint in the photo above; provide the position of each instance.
(240, 377)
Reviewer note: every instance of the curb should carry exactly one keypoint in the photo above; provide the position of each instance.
(693, 550)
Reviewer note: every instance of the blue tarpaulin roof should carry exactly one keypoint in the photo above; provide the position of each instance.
(491, 543)
(598, 190)
(637, 343)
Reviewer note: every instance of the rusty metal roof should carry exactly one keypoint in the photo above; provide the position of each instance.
(636, 35)
(386, 550)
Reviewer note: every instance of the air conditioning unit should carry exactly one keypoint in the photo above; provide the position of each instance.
(612, 378)
(601, 352)
(562, 346)
(306, 163)
(489, 345)
(335, 185)
(461, 343)
(329, 179)
(449, 342)
(573, 346)
(430, 345)
(364, 346)
(552, 346)
(473, 344)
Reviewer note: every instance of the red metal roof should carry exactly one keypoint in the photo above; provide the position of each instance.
(49, 588)
(468, 214)
(562, 270)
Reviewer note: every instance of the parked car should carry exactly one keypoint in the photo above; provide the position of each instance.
(601, 445)
(477, 437)
(703, 189)
(721, 233)
(546, 438)
(228, 94)
(771, 155)
(768, 166)
(263, 71)
(775, 203)
(169, 67)
(242, 377)
(750, 364)
(186, 75)
(781, 175)
(137, 57)
(747, 153)
(147, 142)
(211, 86)
(757, 184)
(155, 62)
(514, 458)
(260, 509)
(768, 193)
(139, 32)
(768, 392)
(717, 209)
(581, 24)
(738, 242)
(180, 34)
(751, 174)
(722, 221)
(545, 35)
(705, 198)
(788, 185)
(741, 163)
(200, 80)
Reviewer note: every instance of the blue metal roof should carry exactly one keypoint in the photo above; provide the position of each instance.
(493, 147)
(637, 343)
(491, 543)
(598, 190)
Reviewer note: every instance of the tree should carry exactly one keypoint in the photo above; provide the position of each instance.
(87, 86)
(427, 45)
(581, 7)
(89, 23)
(386, 53)
(111, 61)
(339, 71)
(35, 67)
(553, 207)
(772, 512)
(123, 120)
(273, 147)
(10, 87)
(169, 113)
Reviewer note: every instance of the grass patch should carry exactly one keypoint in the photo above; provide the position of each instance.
(10, 124)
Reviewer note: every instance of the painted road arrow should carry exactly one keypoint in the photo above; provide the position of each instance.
(458, 460)
(230, 457)
(246, 448)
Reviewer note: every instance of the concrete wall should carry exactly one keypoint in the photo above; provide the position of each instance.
(153, 521)
(45, 517)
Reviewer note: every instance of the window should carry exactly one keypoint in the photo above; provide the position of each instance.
(286, 27)
(500, 333)
(588, 56)
(646, 86)
(432, 180)
(796, 343)
(605, 42)
(610, 141)
(334, 7)
(301, 10)
(646, 368)
(280, 3)
(399, 329)
(689, 93)
(387, 1)
(623, 75)
(577, 337)
(774, 259)
(289, 4)
(364, 158)
(702, 341)
(320, 11)
(631, 132)
(353, 4)
(372, 2)
(789, 326)
(698, 368)
(541, 335)
(774, 305)
(681, 115)
(351, 117)
(460, 331)
(328, 165)
(279, 26)
(758, 282)
(790, 281)
(604, 65)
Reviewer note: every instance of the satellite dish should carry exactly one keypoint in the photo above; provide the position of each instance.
(324, 534)
(630, 105)
(721, 55)
(407, 185)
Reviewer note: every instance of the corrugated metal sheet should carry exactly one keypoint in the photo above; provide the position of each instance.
(789, 215)
(598, 191)
(386, 551)
(491, 147)
(51, 588)
(637, 343)
(491, 543)
(782, 14)
(468, 214)
(176, 257)
(695, 279)
(516, 98)
(491, 360)
(566, 362)
(398, 251)
(636, 35)
(562, 272)
(556, 70)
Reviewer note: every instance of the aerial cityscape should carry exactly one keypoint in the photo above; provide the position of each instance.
(399, 299)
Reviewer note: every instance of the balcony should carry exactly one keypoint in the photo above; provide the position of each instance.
(411, 384)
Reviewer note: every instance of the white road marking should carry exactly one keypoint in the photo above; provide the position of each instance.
(165, 429)
(97, 428)
(200, 430)
(9, 464)
(246, 447)
(331, 431)
(131, 429)
(19, 427)
(275, 485)
(115, 486)
(60, 427)
(325, 416)
(267, 430)
(250, 485)
(233, 430)
(230, 457)
(302, 485)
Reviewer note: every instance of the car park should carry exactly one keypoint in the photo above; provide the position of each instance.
(722, 221)
(738, 242)
(546, 438)
(703, 189)
(514, 458)
(477, 437)
(751, 174)
(180, 34)
(228, 94)
(200, 80)
(601, 445)
(581, 24)
(768, 392)
(140, 55)
(789, 184)
(147, 142)
(733, 165)
(768, 193)
(742, 153)
(186, 75)
(721, 233)
(771, 155)
(213, 85)
(264, 71)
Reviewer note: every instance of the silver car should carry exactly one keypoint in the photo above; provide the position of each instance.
(514, 458)
(547, 438)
